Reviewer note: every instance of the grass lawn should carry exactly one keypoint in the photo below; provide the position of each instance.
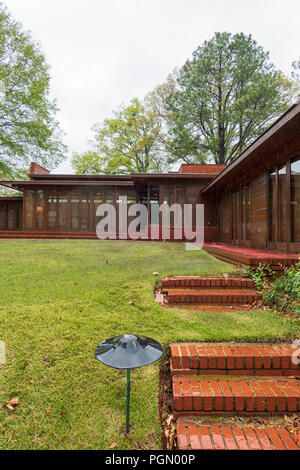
(59, 299)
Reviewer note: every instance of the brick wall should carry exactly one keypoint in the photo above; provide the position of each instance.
(211, 169)
(38, 169)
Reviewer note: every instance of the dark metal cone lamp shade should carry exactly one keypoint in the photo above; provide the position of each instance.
(128, 352)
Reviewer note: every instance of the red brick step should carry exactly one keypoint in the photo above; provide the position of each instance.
(191, 436)
(215, 395)
(233, 359)
(212, 295)
(208, 282)
(211, 307)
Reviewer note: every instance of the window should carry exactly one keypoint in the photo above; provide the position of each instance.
(11, 216)
(98, 199)
(2, 216)
(281, 212)
(19, 216)
(295, 200)
(52, 210)
(245, 215)
(85, 212)
(235, 215)
(109, 195)
(180, 195)
(272, 205)
(62, 211)
(40, 207)
(75, 210)
(282, 203)
(154, 195)
(169, 195)
(29, 204)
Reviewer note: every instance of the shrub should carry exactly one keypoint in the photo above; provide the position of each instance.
(261, 275)
(284, 293)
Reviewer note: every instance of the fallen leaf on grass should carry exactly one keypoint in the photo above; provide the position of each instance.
(63, 412)
(11, 436)
(84, 444)
(113, 445)
(12, 403)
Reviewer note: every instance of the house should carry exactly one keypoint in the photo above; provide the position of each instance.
(253, 203)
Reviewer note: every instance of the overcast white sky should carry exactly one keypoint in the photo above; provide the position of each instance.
(104, 52)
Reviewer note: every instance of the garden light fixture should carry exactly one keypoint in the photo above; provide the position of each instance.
(128, 352)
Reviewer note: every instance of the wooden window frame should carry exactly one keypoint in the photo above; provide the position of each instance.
(287, 244)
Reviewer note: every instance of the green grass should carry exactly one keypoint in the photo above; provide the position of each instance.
(59, 299)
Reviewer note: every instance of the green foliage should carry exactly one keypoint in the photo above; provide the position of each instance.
(296, 67)
(296, 77)
(284, 293)
(28, 129)
(130, 142)
(261, 275)
(224, 98)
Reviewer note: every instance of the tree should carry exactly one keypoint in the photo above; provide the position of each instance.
(130, 142)
(28, 129)
(296, 67)
(224, 98)
(296, 77)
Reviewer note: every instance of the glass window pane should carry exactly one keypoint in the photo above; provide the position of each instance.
(52, 209)
(180, 195)
(235, 212)
(2, 215)
(109, 195)
(169, 195)
(29, 204)
(11, 216)
(295, 200)
(75, 210)
(272, 205)
(282, 203)
(63, 211)
(85, 212)
(40, 209)
(98, 199)
(19, 216)
(245, 213)
(154, 195)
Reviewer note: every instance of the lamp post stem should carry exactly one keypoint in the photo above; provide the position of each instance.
(127, 401)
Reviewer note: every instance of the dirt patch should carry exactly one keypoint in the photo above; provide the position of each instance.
(237, 421)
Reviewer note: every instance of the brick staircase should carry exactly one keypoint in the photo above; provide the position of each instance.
(192, 291)
(214, 385)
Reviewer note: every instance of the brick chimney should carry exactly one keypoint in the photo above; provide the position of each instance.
(36, 169)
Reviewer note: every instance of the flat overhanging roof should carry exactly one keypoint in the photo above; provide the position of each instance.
(35, 183)
(50, 177)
